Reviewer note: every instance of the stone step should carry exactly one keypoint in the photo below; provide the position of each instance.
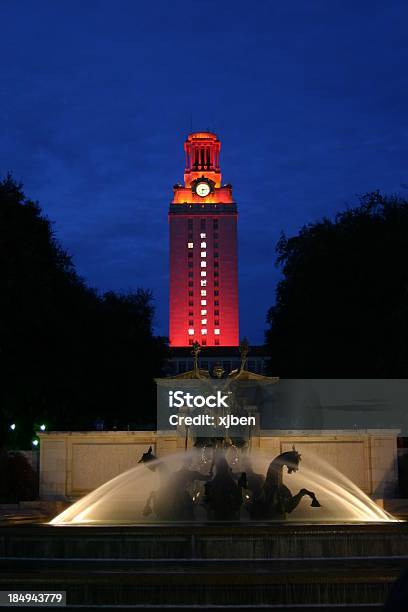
(204, 566)
(268, 582)
(205, 541)
(204, 588)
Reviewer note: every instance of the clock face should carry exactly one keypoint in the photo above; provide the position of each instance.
(202, 189)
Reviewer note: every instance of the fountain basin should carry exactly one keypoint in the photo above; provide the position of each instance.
(229, 565)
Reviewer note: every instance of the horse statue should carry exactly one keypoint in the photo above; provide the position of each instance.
(275, 500)
(171, 501)
(223, 494)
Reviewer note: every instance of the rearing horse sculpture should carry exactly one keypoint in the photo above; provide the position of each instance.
(275, 500)
(171, 501)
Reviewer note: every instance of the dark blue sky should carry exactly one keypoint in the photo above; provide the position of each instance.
(309, 99)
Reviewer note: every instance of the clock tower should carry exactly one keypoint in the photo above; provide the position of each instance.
(203, 251)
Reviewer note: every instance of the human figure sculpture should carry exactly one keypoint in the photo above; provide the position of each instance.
(254, 481)
(223, 494)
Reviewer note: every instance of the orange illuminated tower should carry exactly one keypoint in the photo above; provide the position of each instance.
(203, 251)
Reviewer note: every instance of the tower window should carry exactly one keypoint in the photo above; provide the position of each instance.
(217, 332)
(190, 264)
(216, 313)
(216, 322)
(190, 254)
(203, 321)
(203, 254)
(203, 264)
(191, 303)
(203, 273)
(203, 235)
(216, 303)
(216, 292)
(216, 283)
(191, 322)
(190, 245)
(216, 274)
(203, 245)
(190, 284)
(203, 312)
(190, 293)
(215, 264)
(191, 332)
(203, 302)
(203, 332)
(203, 283)
(203, 292)
(215, 255)
(215, 245)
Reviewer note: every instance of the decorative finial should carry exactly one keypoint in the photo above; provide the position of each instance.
(244, 350)
(196, 348)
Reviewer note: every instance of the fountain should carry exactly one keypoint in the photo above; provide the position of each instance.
(222, 522)
(180, 487)
(220, 476)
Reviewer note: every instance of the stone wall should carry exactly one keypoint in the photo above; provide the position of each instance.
(74, 463)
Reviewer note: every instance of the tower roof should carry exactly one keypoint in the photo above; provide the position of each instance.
(202, 136)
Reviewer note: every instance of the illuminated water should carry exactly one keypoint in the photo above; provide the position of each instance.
(122, 499)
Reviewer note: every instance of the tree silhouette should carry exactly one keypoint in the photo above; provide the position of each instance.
(67, 355)
(341, 308)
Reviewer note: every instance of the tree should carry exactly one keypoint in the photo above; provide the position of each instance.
(341, 308)
(67, 355)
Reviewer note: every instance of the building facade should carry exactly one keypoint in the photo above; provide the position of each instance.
(203, 251)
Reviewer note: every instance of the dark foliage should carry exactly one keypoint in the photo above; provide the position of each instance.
(18, 480)
(67, 355)
(341, 308)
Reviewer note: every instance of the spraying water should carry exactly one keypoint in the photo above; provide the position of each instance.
(129, 498)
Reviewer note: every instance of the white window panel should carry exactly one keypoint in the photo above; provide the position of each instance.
(203, 254)
(203, 321)
(203, 273)
(217, 332)
(203, 245)
(203, 332)
(203, 292)
(191, 332)
(190, 245)
(203, 313)
(203, 235)
(203, 283)
(203, 264)
(203, 302)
